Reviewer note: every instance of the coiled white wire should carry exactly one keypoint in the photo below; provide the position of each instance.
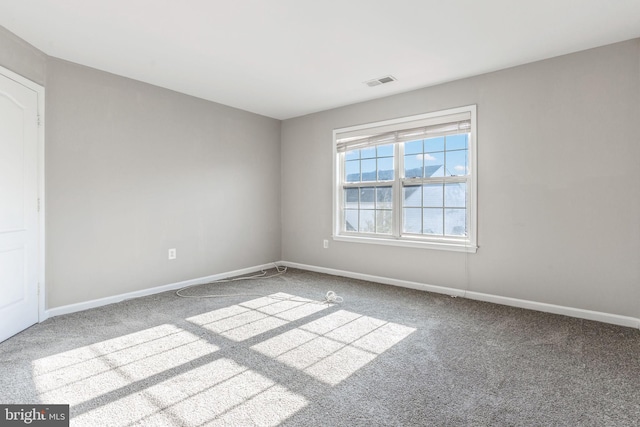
(330, 298)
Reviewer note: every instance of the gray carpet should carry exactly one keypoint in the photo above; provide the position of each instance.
(385, 356)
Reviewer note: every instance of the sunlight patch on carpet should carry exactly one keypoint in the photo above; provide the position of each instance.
(88, 372)
(254, 317)
(221, 392)
(335, 346)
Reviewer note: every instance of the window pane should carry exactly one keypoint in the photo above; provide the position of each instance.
(352, 171)
(352, 155)
(384, 198)
(457, 162)
(351, 220)
(351, 198)
(454, 222)
(385, 168)
(367, 221)
(367, 198)
(457, 142)
(455, 195)
(411, 220)
(432, 220)
(413, 166)
(368, 169)
(368, 153)
(433, 164)
(432, 195)
(412, 195)
(385, 150)
(383, 221)
(413, 147)
(433, 187)
(434, 144)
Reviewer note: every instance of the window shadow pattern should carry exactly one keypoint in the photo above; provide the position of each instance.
(243, 364)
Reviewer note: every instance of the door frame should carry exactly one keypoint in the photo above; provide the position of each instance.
(39, 90)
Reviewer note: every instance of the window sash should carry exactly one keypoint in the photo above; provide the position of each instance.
(397, 205)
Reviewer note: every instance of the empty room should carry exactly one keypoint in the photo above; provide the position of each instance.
(305, 213)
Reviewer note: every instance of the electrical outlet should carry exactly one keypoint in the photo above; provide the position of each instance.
(325, 243)
(172, 254)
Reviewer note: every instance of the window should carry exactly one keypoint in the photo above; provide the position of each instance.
(408, 181)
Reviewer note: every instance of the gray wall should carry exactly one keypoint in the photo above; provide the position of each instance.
(133, 170)
(558, 187)
(21, 58)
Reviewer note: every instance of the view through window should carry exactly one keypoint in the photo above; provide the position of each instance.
(408, 181)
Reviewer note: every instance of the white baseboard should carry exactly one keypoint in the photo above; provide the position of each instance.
(496, 299)
(72, 308)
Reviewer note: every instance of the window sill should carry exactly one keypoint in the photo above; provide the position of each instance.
(443, 246)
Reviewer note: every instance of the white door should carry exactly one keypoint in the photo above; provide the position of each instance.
(18, 207)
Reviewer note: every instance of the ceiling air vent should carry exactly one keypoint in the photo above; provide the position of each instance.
(380, 81)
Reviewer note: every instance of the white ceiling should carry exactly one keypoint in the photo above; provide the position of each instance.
(286, 58)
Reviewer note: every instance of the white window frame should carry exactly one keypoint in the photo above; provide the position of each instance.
(460, 244)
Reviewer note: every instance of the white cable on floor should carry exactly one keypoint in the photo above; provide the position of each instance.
(330, 298)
